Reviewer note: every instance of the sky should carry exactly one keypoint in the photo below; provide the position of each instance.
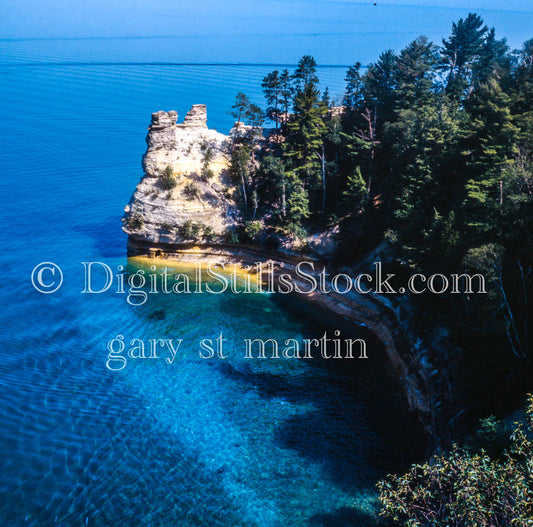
(257, 31)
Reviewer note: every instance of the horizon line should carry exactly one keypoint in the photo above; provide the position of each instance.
(213, 35)
(157, 63)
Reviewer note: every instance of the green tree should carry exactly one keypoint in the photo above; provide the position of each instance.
(379, 88)
(286, 91)
(254, 117)
(460, 52)
(241, 171)
(304, 145)
(272, 89)
(522, 87)
(491, 142)
(354, 82)
(416, 73)
(427, 180)
(272, 187)
(305, 76)
(355, 195)
(494, 60)
(297, 202)
(239, 107)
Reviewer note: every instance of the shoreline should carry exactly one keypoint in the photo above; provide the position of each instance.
(372, 311)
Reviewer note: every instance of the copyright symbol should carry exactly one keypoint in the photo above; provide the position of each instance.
(47, 277)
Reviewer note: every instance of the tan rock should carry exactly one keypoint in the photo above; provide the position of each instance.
(202, 194)
(196, 117)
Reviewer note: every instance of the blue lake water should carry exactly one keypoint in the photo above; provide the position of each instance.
(194, 443)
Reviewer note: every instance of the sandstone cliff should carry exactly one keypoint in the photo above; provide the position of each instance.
(183, 209)
(185, 193)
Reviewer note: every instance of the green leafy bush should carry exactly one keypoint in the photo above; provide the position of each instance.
(136, 221)
(168, 181)
(190, 190)
(462, 488)
(190, 230)
(252, 229)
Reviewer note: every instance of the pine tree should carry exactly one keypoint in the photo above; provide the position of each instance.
(355, 194)
(460, 52)
(352, 96)
(492, 140)
(272, 89)
(254, 117)
(379, 87)
(305, 76)
(305, 138)
(286, 92)
(493, 61)
(492, 134)
(416, 73)
(272, 187)
(522, 103)
(297, 202)
(241, 170)
(239, 106)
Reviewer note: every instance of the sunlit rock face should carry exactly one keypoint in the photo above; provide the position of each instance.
(185, 194)
(196, 117)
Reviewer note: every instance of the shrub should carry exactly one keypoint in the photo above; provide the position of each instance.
(252, 229)
(208, 154)
(493, 436)
(206, 173)
(297, 231)
(190, 230)
(209, 233)
(136, 222)
(167, 226)
(232, 236)
(466, 488)
(168, 181)
(190, 190)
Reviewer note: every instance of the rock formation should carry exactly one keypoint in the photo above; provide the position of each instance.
(185, 198)
(196, 117)
(185, 194)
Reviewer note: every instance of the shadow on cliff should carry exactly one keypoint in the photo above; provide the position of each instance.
(108, 239)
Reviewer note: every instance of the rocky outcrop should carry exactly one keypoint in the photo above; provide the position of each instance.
(196, 117)
(185, 192)
(325, 243)
(183, 208)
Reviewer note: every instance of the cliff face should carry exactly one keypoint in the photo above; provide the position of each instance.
(185, 191)
(185, 197)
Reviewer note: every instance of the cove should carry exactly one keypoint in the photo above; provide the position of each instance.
(203, 442)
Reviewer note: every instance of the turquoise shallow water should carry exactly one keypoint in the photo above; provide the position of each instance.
(194, 443)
